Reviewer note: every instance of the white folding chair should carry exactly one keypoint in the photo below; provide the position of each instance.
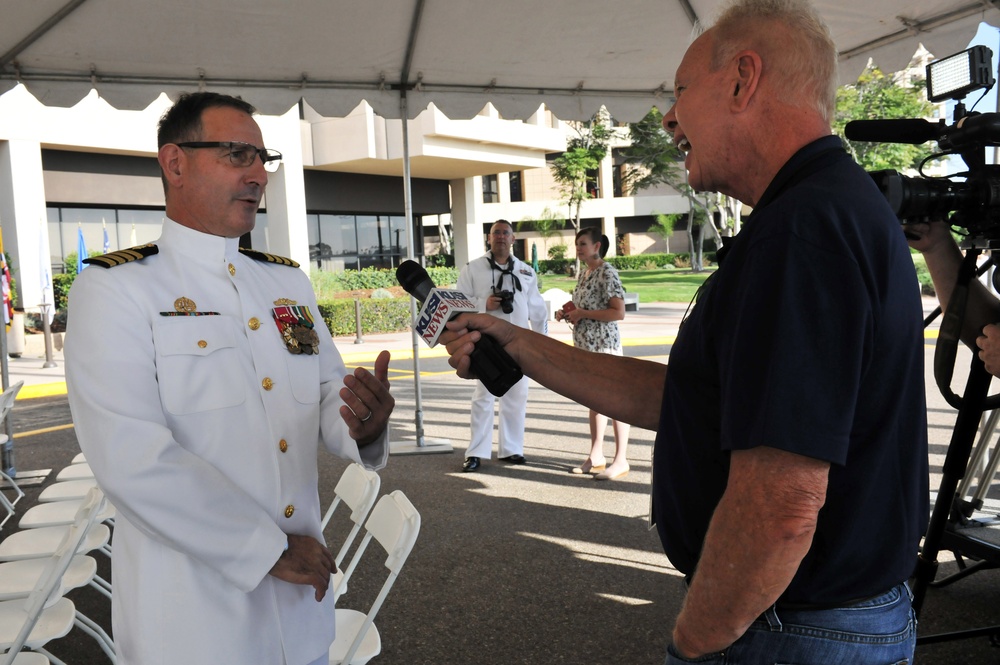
(7, 504)
(38, 543)
(6, 404)
(43, 541)
(45, 615)
(395, 524)
(69, 490)
(81, 471)
(357, 489)
(80, 458)
(59, 513)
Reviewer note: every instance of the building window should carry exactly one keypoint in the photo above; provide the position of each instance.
(491, 191)
(516, 193)
(125, 228)
(593, 183)
(353, 242)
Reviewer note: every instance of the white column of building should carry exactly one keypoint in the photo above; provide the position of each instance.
(466, 219)
(287, 233)
(22, 213)
(608, 227)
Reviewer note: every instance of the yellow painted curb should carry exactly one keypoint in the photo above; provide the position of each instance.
(41, 390)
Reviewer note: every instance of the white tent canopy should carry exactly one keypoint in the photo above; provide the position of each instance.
(458, 54)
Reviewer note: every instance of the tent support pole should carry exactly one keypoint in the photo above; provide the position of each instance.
(421, 445)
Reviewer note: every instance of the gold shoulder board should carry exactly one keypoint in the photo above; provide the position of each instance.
(123, 256)
(268, 258)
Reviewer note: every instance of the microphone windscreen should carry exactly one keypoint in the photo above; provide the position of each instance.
(904, 130)
(414, 279)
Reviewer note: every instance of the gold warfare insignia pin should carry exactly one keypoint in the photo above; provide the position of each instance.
(280, 302)
(185, 305)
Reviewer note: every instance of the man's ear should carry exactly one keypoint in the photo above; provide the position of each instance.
(172, 162)
(748, 68)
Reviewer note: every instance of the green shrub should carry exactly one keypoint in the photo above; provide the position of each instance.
(557, 252)
(377, 316)
(326, 284)
(60, 288)
(555, 266)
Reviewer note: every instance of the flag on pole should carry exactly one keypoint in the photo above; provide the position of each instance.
(8, 303)
(81, 250)
(107, 243)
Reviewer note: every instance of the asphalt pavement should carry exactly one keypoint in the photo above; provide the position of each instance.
(514, 564)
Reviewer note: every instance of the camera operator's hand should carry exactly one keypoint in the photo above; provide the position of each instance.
(928, 237)
(989, 348)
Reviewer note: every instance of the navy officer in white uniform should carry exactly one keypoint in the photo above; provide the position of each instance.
(507, 288)
(202, 381)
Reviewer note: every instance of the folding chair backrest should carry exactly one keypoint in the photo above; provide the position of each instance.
(6, 505)
(7, 398)
(6, 404)
(357, 489)
(49, 582)
(395, 524)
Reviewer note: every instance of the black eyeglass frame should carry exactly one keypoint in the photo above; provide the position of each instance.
(267, 155)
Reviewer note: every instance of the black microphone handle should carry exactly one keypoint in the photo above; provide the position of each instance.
(493, 366)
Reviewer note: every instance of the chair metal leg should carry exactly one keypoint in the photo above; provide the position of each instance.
(89, 626)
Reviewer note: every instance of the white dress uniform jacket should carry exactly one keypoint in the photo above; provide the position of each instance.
(477, 280)
(203, 431)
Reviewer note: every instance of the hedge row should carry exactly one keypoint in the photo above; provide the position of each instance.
(377, 316)
(371, 278)
(635, 262)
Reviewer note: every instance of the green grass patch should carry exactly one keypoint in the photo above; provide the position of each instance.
(651, 285)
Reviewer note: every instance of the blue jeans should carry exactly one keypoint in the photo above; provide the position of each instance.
(877, 631)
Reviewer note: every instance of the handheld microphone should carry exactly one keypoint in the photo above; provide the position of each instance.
(489, 362)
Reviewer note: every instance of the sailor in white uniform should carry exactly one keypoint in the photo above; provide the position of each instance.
(507, 288)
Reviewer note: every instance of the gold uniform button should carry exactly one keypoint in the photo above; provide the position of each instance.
(254, 323)
(267, 383)
(289, 510)
(283, 446)
(232, 270)
(202, 344)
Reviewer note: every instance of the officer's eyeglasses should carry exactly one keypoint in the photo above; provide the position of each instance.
(241, 154)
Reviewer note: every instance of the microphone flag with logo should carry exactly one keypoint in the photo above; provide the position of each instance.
(489, 362)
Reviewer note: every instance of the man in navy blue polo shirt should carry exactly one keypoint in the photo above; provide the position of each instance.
(790, 468)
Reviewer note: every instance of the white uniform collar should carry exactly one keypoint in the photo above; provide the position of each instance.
(198, 246)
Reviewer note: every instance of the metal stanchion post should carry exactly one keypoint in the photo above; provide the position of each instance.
(357, 321)
(49, 362)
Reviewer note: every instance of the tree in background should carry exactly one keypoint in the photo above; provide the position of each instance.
(878, 96)
(655, 160)
(664, 227)
(547, 225)
(572, 169)
(654, 157)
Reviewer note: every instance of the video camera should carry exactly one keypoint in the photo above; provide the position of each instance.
(974, 202)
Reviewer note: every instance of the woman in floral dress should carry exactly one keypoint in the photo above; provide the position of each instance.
(599, 301)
